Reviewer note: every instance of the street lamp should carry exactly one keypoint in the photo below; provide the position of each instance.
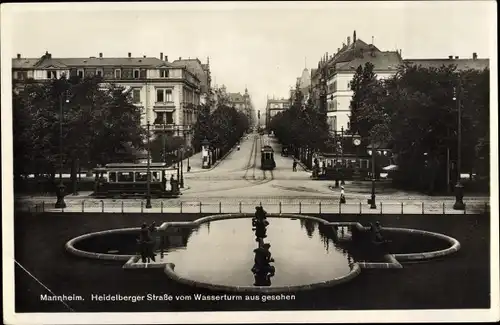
(342, 182)
(181, 182)
(356, 141)
(60, 204)
(148, 173)
(164, 143)
(459, 189)
(372, 152)
(189, 154)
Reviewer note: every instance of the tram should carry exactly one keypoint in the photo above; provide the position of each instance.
(267, 158)
(130, 179)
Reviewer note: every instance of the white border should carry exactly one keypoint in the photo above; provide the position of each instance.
(456, 315)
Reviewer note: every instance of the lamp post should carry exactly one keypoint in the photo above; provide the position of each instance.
(459, 189)
(373, 205)
(164, 143)
(148, 173)
(356, 141)
(342, 182)
(189, 154)
(60, 204)
(181, 182)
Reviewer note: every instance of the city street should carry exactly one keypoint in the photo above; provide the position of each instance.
(237, 183)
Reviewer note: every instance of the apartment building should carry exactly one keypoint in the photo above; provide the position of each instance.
(168, 93)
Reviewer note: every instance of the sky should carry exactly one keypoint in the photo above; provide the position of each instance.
(261, 46)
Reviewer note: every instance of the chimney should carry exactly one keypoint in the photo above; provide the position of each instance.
(180, 57)
(348, 40)
(161, 56)
(450, 57)
(338, 49)
(166, 58)
(129, 54)
(18, 55)
(354, 37)
(456, 57)
(100, 55)
(474, 56)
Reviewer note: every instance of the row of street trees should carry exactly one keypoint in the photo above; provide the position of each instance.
(416, 112)
(99, 125)
(303, 125)
(222, 127)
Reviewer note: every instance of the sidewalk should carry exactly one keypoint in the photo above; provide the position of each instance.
(195, 163)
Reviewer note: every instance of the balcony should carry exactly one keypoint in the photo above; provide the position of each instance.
(164, 106)
(164, 127)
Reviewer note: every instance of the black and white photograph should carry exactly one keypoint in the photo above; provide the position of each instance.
(249, 162)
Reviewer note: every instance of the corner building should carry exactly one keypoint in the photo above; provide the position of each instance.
(168, 93)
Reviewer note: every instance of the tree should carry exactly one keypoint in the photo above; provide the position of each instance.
(98, 125)
(415, 113)
(364, 86)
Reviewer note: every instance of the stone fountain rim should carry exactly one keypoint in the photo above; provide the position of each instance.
(455, 245)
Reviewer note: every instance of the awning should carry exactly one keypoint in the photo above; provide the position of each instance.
(390, 168)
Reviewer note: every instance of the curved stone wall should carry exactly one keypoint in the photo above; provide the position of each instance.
(393, 260)
(169, 270)
(70, 245)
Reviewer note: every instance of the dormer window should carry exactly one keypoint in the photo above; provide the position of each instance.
(80, 73)
(137, 73)
(99, 72)
(163, 73)
(118, 73)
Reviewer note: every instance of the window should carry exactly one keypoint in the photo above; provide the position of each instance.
(21, 75)
(51, 74)
(136, 96)
(160, 95)
(112, 177)
(118, 73)
(170, 118)
(136, 73)
(125, 176)
(141, 177)
(159, 118)
(80, 73)
(99, 72)
(163, 95)
(163, 73)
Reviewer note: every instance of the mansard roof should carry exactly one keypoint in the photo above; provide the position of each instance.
(461, 64)
(382, 61)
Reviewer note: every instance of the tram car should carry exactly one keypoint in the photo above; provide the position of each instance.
(267, 158)
(130, 180)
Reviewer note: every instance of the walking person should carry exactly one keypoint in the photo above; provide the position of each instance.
(294, 165)
(342, 195)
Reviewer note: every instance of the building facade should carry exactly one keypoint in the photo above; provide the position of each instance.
(168, 93)
(275, 106)
(339, 69)
(243, 104)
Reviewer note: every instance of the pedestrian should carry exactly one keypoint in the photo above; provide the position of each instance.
(294, 165)
(342, 195)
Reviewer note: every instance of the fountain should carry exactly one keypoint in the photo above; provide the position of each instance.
(220, 252)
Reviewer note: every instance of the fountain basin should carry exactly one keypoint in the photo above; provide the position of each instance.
(216, 252)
